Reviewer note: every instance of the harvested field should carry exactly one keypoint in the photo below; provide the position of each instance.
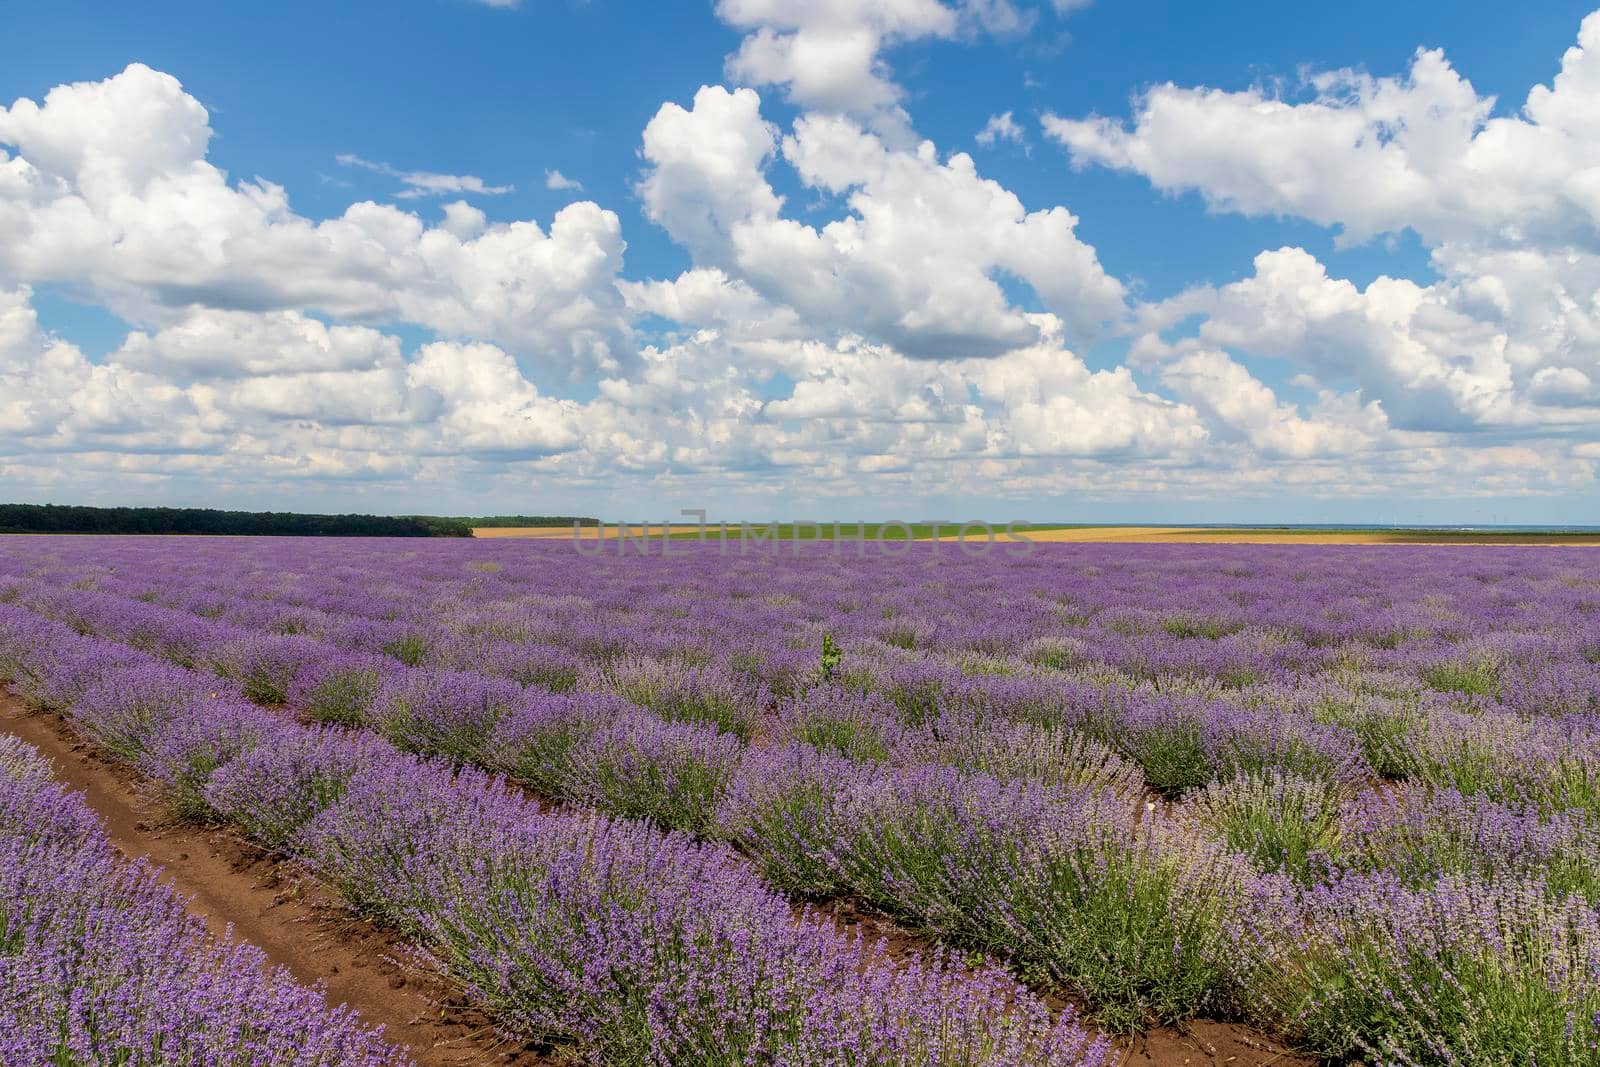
(1153, 535)
(588, 533)
(1206, 535)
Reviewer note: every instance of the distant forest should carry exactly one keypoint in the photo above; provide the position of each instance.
(55, 518)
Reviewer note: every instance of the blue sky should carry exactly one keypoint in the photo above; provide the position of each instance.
(1141, 363)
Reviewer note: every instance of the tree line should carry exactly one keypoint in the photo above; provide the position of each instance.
(56, 518)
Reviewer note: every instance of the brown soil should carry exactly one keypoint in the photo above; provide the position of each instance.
(1202, 1043)
(299, 923)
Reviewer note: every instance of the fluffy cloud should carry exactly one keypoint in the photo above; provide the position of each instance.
(236, 344)
(915, 262)
(487, 406)
(556, 181)
(1237, 401)
(1000, 127)
(222, 383)
(36, 372)
(1376, 155)
(910, 331)
(709, 298)
(706, 168)
(52, 398)
(1051, 404)
(110, 191)
(828, 54)
(1438, 357)
(1507, 338)
(463, 221)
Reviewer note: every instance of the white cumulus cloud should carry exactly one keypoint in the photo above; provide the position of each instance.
(1001, 127)
(109, 190)
(828, 54)
(1377, 154)
(902, 326)
(555, 180)
(914, 262)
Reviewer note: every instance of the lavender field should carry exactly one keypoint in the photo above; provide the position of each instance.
(1347, 797)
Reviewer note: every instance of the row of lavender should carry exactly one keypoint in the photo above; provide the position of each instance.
(1180, 734)
(1350, 721)
(1482, 626)
(100, 963)
(1289, 811)
(637, 946)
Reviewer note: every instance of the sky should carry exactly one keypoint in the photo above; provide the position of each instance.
(1058, 260)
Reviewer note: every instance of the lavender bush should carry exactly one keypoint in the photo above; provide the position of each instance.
(125, 711)
(451, 713)
(1283, 822)
(100, 963)
(535, 740)
(644, 947)
(184, 753)
(858, 725)
(689, 694)
(340, 689)
(637, 765)
(1422, 836)
(1464, 971)
(272, 791)
(1061, 882)
(1052, 755)
(265, 665)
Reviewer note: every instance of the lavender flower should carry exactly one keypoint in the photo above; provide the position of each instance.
(1467, 970)
(1283, 822)
(271, 791)
(339, 689)
(100, 963)
(185, 752)
(451, 713)
(535, 740)
(861, 726)
(671, 772)
(1058, 881)
(689, 694)
(265, 665)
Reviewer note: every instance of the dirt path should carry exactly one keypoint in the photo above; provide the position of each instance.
(1203, 1043)
(298, 923)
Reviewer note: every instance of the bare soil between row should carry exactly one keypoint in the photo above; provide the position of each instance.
(304, 927)
(299, 923)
